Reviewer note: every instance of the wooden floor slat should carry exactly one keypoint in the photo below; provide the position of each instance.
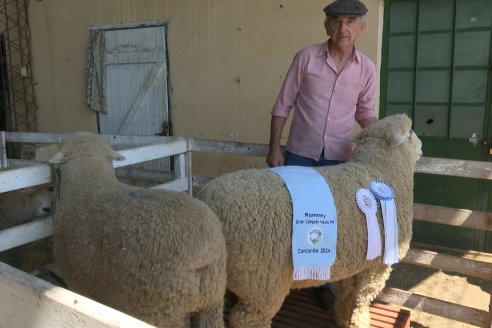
(301, 310)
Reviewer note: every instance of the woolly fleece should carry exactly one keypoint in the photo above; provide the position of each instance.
(154, 254)
(255, 209)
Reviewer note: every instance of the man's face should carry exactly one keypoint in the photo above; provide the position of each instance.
(344, 30)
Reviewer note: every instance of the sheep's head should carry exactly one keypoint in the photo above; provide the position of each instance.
(394, 130)
(81, 144)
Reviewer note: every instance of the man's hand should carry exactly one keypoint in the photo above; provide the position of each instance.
(275, 157)
(367, 122)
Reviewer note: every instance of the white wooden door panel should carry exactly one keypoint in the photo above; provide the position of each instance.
(136, 83)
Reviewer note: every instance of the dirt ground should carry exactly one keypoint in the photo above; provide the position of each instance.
(447, 286)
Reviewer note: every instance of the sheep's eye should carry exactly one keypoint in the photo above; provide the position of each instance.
(410, 134)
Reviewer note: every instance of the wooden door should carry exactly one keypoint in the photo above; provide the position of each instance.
(436, 68)
(135, 59)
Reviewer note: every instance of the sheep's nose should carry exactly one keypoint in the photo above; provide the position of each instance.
(46, 209)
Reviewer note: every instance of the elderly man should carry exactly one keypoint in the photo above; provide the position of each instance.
(331, 86)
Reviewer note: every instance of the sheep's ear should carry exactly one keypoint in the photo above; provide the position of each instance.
(115, 156)
(396, 139)
(58, 157)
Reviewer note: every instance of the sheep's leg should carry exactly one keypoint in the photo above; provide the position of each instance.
(357, 293)
(171, 320)
(209, 318)
(256, 312)
(249, 316)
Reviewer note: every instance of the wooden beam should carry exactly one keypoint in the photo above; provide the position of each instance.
(13, 179)
(434, 306)
(489, 317)
(114, 140)
(25, 233)
(3, 150)
(179, 185)
(455, 167)
(29, 302)
(462, 253)
(150, 152)
(130, 172)
(453, 216)
(450, 263)
(236, 148)
(34, 137)
(200, 181)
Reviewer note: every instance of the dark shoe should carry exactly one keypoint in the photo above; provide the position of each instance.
(325, 297)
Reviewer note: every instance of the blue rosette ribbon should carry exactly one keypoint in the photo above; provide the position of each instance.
(386, 195)
(368, 205)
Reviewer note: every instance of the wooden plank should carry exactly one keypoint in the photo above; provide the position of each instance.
(25, 233)
(150, 152)
(34, 137)
(179, 185)
(489, 316)
(139, 173)
(453, 216)
(157, 70)
(390, 315)
(459, 252)
(449, 263)
(200, 181)
(114, 140)
(3, 150)
(454, 167)
(111, 27)
(160, 146)
(236, 148)
(134, 57)
(434, 306)
(24, 177)
(182, 169)
(137, 141)
(384, 316)
(22, 162)
(300, 309)
(29, 302)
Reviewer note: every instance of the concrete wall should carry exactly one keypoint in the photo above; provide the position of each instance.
(227, 59)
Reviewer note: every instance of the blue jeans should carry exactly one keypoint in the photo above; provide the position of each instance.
(293, 159)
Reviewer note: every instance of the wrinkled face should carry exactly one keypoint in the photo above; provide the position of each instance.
(344, 30)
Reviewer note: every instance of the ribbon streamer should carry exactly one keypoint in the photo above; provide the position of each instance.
(367, 204)
(314, 222)
(386, 196)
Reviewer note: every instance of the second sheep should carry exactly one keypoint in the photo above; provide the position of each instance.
(154, 254)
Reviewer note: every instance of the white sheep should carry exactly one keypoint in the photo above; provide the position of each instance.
(22, 206)
(154, 254)
(256, 213)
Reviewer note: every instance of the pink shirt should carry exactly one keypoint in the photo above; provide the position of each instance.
(327, 104)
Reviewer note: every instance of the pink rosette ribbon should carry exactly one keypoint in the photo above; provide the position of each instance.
(368, 205)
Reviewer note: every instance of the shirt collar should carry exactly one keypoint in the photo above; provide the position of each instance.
(323, 51)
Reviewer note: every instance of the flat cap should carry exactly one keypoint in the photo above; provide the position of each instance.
(345, 8)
